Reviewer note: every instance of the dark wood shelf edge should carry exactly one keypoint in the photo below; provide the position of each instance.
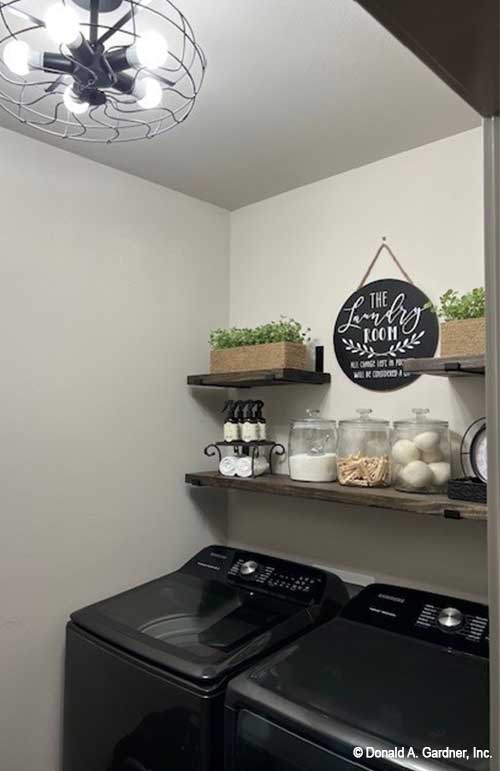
(256, 378)
(449, 366)
(381, 498)
(460, 47)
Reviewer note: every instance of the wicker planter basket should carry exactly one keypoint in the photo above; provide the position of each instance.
(258, 357)
(463, 338)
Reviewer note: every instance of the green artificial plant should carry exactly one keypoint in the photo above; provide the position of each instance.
(455, 307)
(285, 330)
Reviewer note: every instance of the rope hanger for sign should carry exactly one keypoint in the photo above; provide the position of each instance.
(384, 246)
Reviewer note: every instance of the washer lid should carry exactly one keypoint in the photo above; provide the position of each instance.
(211, 616)
(350, 683)
(197, 627)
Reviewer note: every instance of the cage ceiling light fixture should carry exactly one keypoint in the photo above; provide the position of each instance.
(98, 70)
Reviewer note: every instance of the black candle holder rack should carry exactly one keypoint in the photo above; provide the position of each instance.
(250, 449)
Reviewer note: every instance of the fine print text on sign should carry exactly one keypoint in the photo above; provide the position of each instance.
(378, 327)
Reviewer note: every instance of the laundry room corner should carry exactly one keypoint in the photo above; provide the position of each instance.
(307, 249)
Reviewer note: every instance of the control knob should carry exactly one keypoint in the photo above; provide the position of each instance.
(450, 618)
(248, 568)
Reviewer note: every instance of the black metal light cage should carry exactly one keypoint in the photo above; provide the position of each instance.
(97, 71)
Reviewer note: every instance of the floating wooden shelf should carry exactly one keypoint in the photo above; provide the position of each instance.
(382, 498)
(263, 377)
(451, 366)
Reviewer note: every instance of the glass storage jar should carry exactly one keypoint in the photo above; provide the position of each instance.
(364, 452)
(312, 449)
(421, 454)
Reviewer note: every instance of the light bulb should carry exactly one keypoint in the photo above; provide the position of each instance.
(20, 59)
(72, 102)
(148, 92)
(150, 51)
(62, 24)
(16, 57)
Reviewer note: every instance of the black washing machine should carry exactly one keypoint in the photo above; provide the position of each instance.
(398, 680)
(146, 671)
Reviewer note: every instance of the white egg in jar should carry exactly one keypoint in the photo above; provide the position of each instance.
(404, 451)
(432, 456)
(417, 475)
(441, 473)
(427, 440)
(422, 447)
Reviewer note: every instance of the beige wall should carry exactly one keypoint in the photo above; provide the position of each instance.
(108, 285)
(302, 254)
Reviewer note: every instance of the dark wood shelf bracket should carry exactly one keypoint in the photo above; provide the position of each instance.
(451, 366)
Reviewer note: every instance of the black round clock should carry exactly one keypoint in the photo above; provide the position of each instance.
(479, 454)
(474, 451)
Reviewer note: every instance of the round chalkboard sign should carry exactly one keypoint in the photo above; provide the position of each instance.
(379, 326)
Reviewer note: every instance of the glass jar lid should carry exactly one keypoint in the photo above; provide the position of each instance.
(365, 421)
(420, 419)
(313, 420)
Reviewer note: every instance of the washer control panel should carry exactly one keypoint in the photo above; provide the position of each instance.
(447, 621)
(453, 620)
(249, 567)
(450, 618)
(277, 577)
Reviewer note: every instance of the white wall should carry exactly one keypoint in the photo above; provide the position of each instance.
(108, 285)
(302, 254)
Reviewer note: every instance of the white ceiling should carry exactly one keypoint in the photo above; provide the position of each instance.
(295, 91)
